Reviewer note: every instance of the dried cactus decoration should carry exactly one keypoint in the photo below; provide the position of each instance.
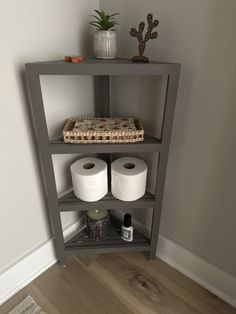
(143, 39)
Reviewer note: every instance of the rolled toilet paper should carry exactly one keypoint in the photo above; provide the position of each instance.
(89, 178)
(128, 178)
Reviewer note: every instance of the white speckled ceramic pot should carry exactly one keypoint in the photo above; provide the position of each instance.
(104, 45)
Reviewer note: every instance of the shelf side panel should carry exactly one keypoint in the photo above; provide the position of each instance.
(37, 107)
(170, 102)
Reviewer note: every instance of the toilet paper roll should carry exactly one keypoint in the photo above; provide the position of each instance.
(128, 178)
(89, 178)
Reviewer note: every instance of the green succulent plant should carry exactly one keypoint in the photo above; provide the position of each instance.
(103, 21)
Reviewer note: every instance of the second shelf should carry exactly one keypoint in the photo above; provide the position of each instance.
(70, 202)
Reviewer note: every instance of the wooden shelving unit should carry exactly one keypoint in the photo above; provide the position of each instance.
(102, 70)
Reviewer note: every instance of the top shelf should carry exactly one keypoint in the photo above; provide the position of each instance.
(102, 67)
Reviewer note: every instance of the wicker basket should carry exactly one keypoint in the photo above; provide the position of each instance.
(102, 130)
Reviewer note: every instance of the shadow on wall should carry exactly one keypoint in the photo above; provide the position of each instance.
(217, 204)
(86, 41)
(198, 208)
(201, 176)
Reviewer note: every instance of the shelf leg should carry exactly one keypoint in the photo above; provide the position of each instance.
(170, 100)
(59, 239)
(161, 173)
(34, 86)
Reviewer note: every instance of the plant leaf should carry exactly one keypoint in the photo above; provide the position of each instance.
(96, 17)
(96, 25)
(103, 21)
(113, 14)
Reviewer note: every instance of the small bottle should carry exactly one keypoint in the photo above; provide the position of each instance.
(127, 229)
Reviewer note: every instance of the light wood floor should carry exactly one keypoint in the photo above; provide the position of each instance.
(116, 284)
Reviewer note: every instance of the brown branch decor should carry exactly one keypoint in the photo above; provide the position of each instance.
(142, 39)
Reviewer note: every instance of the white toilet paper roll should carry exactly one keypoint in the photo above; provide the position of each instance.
(128, 178)
(89, 177)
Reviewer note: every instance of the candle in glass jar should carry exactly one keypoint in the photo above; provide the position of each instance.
(97, 214)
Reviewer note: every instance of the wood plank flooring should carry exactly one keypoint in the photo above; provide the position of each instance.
(116, 284)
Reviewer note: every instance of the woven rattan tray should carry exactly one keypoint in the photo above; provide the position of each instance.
(102, 130)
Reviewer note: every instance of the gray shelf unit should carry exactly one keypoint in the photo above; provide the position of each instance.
(102, 70)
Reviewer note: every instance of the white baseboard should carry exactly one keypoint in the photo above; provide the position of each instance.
(31, 266)
(199, 270)
(204, 273)
(207, 275)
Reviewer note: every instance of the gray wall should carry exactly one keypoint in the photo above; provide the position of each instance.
(199, 204)
(34, 31)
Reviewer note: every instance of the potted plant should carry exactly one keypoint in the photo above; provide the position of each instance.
(104, 44)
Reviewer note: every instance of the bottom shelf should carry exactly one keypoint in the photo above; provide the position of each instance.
(81, 242)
